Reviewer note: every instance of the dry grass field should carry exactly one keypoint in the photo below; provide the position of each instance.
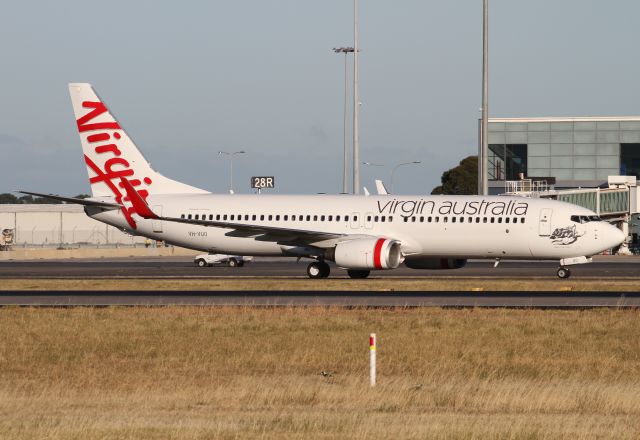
(235, 373)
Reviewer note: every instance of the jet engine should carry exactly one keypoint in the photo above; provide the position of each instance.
(436, 263)
(366, 253)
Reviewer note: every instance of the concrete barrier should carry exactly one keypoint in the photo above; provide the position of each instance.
(55, 254)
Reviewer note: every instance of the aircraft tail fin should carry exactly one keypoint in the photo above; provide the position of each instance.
(111, 155)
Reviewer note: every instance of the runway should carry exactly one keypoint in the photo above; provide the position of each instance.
(328, 298)
(603, 267)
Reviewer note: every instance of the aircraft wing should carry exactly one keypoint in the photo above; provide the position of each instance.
(86, 202)
(259, 232)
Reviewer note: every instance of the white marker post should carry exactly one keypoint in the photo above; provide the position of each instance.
(372, 359)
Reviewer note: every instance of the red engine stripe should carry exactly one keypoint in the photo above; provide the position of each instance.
(377, 253)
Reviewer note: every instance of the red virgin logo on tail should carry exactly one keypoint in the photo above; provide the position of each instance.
(115, 167)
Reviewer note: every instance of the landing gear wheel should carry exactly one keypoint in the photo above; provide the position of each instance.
(314, 270)
(563, 273)
(325, 270)
(201, 262)
(232, 262)
(358, 274)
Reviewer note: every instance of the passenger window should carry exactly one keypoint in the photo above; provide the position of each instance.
(522, 220)
(515, 220)
(286, 217)
(217, 216)
(499, 219)
(337, 218)
(506, 220)
(270, 217)
(368, 218)
(382, 219)
(322, 218)
(315, 218)
(308, 218)
(253, 217)
(197, 216)
(406, 219)
(210, 217)
(246, 217)
(477, 219)
(453, 219)
(277, 217)
(261, 217)
(232, 217)
(493, 219)
(429, 219)
(375, 219)
(181, 215)
(484, 219)
(437, 219)
(330, 218)
(355, 218)
(461, 219)
(390, 218)
(413, 219)
(470, 219)
(445, 219)
(346, 218)
(189, 216)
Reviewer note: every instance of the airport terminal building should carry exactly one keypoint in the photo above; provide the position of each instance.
(589, 161)
(567, 152)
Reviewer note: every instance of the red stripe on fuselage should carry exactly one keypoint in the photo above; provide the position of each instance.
(377, 253)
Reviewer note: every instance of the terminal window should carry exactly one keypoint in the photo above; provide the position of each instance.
(630, 160)
(506, 162)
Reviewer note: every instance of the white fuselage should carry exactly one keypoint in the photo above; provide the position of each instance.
(426, 226)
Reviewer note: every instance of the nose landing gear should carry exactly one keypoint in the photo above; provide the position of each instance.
(563, 272)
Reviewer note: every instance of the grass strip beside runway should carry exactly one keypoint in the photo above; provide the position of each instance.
(303, 284)
(196, 373)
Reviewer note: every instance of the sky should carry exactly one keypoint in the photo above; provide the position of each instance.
(188, 79)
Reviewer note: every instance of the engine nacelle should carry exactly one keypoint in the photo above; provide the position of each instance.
(367, 253)
(436, 263)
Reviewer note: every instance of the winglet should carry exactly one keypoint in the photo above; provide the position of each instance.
(139, 205)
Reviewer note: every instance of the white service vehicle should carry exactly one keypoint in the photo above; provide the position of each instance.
(359, 233)
(204, 260)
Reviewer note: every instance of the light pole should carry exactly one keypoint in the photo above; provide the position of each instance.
(356, 103)
(396, 167)
(225, 153)
(483, 156)
(345, 166)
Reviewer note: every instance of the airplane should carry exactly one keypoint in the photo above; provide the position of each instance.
(359, 233)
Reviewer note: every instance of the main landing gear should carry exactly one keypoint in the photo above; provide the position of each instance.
(318, 269)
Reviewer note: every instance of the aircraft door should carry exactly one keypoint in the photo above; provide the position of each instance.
(157, 224)
(544, 225)
(355, 221)
(368, 220)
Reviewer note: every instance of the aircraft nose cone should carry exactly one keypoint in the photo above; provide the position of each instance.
(616, 235)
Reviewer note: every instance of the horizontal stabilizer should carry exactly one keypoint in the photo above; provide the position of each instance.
(86, 202)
